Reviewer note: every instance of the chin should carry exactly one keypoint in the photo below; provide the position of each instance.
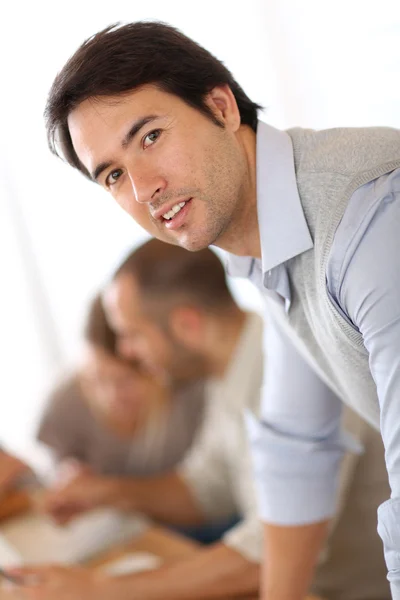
(196, 244)
(126, 429)
(195, 247)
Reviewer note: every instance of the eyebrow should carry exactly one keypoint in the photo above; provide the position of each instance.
(133, 131)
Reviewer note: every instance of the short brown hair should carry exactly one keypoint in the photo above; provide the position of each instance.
(120, 59)
(163, 271)
(97, 332)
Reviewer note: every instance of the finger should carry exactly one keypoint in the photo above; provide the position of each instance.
(61, 500)
(65, 514)
(34, 575)
(24, 572)
(62, 518)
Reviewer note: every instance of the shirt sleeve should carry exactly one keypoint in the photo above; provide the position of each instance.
(210, 477)
(298, 443)
(369, 295)
(205, 469)
(207, 474)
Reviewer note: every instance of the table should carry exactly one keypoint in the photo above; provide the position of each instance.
(157, 540)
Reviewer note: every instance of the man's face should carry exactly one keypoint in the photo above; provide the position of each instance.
(121, 395)
(176, 172)
(142, 338)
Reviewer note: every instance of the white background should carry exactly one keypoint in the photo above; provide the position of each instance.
(311, 63)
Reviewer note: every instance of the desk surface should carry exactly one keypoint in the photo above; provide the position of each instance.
(169, 546)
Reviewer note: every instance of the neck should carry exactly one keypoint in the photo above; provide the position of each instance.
(243, 236)
(223, 335)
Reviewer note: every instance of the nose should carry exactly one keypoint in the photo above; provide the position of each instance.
(146, 185)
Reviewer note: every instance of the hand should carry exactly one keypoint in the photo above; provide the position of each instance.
(68, 469)
(11, 468)
(57, 583)
(75, 494)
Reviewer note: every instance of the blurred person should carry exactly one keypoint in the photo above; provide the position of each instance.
(113, 417)
(310, 217)
(187, 327)
(173, 309)
(17, 479)
(12, 471)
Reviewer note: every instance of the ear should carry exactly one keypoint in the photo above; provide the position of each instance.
(186, 325)
(223, 104)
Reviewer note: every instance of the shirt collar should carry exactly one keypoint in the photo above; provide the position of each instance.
(284, 231)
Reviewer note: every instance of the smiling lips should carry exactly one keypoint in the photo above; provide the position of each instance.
(175, 217)
(174, 210)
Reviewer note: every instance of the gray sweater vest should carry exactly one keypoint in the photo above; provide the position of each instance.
(330, 166)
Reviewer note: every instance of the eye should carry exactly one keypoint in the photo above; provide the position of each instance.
(151, 137)
(113, 177)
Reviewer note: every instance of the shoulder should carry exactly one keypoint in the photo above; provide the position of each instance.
(344, 150)
(66, 400)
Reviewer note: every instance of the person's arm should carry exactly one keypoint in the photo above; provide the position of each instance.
(370, 297)
(292, 554)
(297, 449)
(11, 469)
(207, 470)
(165, 498)
(197, 490)
(217, 572)
(214, 573)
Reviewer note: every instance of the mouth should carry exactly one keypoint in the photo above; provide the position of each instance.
(176, 215)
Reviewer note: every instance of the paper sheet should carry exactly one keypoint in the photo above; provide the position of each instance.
(9, 557)
(37, 539)
(134, 562)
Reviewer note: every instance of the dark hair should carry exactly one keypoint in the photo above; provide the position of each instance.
(119, 59)
(97, 331)
(166, 272)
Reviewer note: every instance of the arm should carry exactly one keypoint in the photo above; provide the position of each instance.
(218, 572)
(215, 573)
(297, 449)
(205, 469)
(165, 498)
(370, 297)
(11, 468)
(199, 488)
(291, 550)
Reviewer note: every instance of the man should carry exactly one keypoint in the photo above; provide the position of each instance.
(112, 416)
(313, 218)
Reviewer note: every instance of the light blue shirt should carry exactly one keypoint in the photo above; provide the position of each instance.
(297, 452)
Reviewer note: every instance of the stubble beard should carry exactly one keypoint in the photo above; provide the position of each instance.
(223, 199)
(189, 368)
(222, 220)
(224, 214)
